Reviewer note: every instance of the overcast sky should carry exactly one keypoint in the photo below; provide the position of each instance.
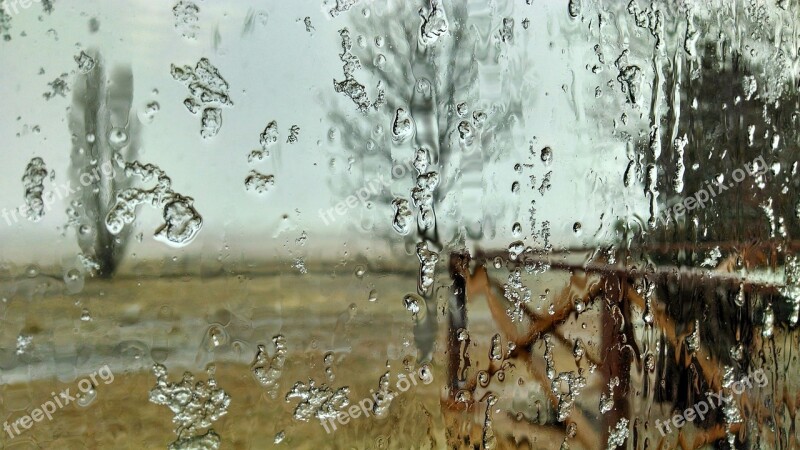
(276, 71)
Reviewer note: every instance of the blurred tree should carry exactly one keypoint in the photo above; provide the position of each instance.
(103, 124)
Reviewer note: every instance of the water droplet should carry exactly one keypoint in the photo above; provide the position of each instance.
(268, 372)
(412, 303)
(423, 86)
(216, 337)
(402, 125)
(333, 134)
(479, 118)
(425, 374)
(461, 109)
(73, 275)
(483, 378)
(118, 138)
(650, 362)
(466, 132)
(360, 271)
(210, 123)
(380, 61)
(32, 271)
(403, 217)
(496, 352)
(515, 249)
(259, 182)
(33, 183)
(84, 399)
(462, 334)
(23, 344)
(516, 229)
(183, 397)
(547, 156)
(463, 396)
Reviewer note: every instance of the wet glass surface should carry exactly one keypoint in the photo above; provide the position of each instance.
(428, 224)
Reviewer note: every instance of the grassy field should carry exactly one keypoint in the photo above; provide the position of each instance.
(51, 340)
(187, 323)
